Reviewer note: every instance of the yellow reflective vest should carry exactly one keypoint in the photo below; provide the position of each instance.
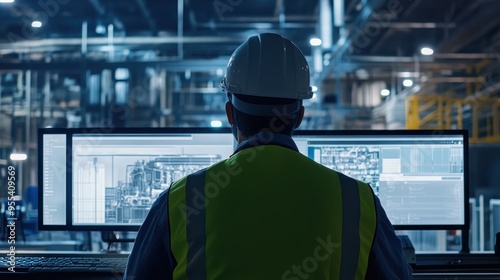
(269, 212)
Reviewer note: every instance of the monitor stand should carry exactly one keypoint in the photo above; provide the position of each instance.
(110, 237)
(408, 249)
(465, 242)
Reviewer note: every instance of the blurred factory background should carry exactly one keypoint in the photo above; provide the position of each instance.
(376, 64)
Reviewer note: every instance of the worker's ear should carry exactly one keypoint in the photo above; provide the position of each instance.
(229, 113)
(300, 117)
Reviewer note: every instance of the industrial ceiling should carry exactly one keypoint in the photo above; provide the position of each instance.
(362, 40)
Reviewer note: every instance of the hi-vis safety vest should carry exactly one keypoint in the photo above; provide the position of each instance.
(269, 212)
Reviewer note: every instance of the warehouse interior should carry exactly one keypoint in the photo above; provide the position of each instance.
(375, 65)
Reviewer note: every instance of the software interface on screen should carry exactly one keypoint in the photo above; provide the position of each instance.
(419, 179)
(117, 177)
(54, 179)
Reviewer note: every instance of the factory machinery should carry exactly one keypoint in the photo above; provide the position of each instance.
(360, 162)
(131, 199)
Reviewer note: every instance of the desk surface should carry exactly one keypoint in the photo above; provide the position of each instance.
(428, 266)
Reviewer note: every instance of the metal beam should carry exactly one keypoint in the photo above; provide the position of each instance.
(201, 65)
(289, 18)
(344, 42)
(34, 45)
(388, 33)
(257, 25)
(467, 55)
(437, 80)
(420, 25)
(485, 20)
(473, 5)
(422, 59)
(101, 11)
(147, 15)
(98, 7)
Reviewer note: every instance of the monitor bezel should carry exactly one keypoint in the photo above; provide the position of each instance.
(69, 132)
(405, 132)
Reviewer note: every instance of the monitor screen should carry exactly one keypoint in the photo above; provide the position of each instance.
(419, 176)
(94, 180)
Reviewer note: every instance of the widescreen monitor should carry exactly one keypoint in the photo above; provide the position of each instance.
(107, 179)
(420, 176)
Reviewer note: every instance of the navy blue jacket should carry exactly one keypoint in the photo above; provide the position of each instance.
(151, 256)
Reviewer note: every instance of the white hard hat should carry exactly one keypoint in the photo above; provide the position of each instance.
(268, 65)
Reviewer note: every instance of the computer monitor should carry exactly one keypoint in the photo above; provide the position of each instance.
(107, 179)
(420, 176)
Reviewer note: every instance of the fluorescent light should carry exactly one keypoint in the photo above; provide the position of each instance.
(427, 51)
(18, 156)
(100, 29)
(314, 88)
(385, 92)
(36, 24)
(314, 95)
(216, 123)
(6, 1)
(315, 42)
(407, 83)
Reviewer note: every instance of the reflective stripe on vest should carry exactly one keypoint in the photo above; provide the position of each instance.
(195, 231)
(190, 219)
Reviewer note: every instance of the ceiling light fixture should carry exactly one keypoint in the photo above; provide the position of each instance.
(18, 156)
(315, 42)
(426, 51)
(385, 92)
(100, 29)
(6, 1)
(407, 83)
(36, 24)
(216, 123)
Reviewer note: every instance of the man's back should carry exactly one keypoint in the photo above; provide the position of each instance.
(272, 213)
(267, 212)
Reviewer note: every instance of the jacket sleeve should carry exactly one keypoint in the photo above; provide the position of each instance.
(387, 259)
(151, 256)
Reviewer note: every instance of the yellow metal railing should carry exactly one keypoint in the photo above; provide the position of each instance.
(443, 112)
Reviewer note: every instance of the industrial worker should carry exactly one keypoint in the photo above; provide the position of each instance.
(267, 212)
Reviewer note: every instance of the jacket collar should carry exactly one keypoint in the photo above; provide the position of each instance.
(267, 138)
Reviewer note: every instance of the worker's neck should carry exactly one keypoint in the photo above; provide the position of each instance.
(242, 138)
